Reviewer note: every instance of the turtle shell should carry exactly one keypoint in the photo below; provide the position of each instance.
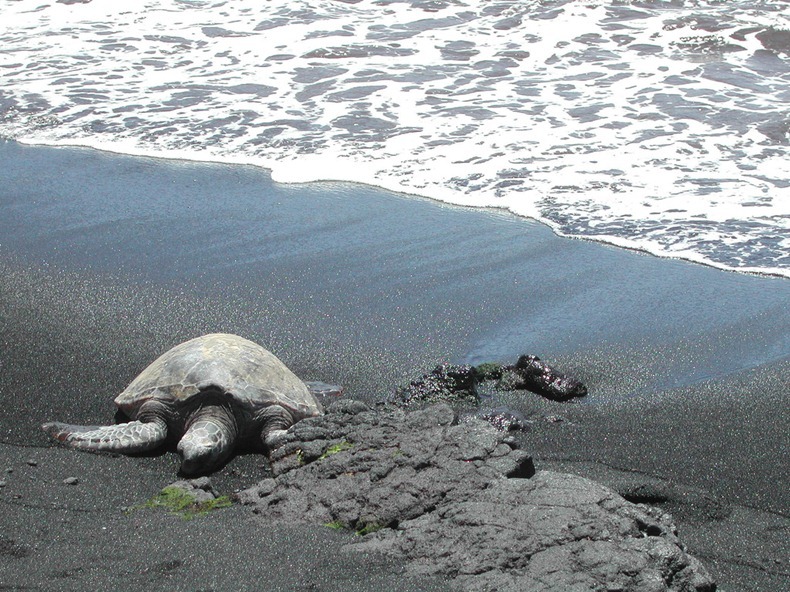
(250, 375)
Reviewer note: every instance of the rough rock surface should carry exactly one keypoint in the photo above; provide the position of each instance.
(446, 383)
(532, 374)
(463, 502)
(501, 417)
(201, 488)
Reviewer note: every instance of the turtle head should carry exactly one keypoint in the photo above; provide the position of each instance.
(208, 441)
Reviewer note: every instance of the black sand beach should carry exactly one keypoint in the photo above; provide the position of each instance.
(107, 261)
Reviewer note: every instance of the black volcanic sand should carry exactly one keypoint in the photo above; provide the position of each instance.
(107, 261)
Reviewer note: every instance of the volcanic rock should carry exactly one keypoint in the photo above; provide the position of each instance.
(531, 373)
(449, 383)
(464, 502)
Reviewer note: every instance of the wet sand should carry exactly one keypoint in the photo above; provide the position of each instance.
(107, 261)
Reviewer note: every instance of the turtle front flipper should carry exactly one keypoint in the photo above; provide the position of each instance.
(131, 437)
(274, 421)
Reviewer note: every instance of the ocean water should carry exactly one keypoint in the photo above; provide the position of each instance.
(657, 125)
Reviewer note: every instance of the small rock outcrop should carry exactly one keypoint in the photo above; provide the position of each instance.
(532, 374)
(200, 489)
(448, 383)
(457, 384)
(502, 418)
(464, 502)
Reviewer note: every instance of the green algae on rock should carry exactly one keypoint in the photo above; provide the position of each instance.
(188, 499)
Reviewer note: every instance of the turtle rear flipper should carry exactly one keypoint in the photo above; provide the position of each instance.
(324, 392)
(134, 436)
(323, 389)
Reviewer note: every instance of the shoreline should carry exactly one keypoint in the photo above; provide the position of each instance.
(450, 199)
(97, 285)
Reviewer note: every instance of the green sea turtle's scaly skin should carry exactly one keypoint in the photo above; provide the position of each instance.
(131, 437)
(210, 393)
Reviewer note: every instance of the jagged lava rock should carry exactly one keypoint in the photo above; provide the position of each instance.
(552, 532)
(463, 502)
(502, 418)
(200, 488)
(533, 374)
(366, 469)
(447, 383)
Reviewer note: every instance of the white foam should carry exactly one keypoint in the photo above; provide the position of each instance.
(634, 125)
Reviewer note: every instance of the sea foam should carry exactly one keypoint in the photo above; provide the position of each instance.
(654, 125)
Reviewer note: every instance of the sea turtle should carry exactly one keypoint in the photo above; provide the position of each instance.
(213, 393)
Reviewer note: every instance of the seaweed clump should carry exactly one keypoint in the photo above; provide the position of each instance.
(187, 499)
